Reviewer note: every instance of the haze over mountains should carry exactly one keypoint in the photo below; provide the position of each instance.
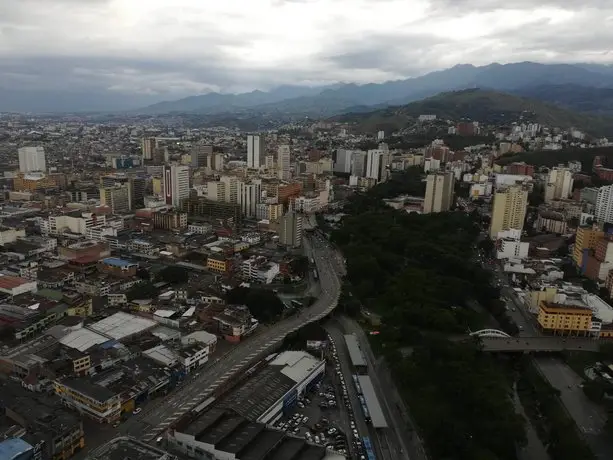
(584, 87)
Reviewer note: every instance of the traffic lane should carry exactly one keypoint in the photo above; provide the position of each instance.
(590, 418)
(345, 364)
(188, 396)
(394, 433)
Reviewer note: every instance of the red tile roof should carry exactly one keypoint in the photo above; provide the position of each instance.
(10, 282)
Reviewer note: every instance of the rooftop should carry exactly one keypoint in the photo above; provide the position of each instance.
(11, 282)
(121, 325)
(117, 262)
(92, 390)
(257, 394)
(123, 448)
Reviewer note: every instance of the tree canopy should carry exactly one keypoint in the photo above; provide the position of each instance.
(263, 304)
(418, 272)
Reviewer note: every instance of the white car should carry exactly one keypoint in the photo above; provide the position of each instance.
(137, 410)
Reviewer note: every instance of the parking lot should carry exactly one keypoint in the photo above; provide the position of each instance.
(324, 416)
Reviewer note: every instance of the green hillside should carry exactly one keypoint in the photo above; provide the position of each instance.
(489, 107)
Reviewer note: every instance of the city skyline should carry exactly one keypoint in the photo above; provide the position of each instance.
(158, 48)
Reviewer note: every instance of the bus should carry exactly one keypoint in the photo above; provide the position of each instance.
(370, 455)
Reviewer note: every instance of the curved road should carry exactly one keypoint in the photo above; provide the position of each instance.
(160, 414)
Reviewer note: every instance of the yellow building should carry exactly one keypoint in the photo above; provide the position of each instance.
(561, 319)
(586, 238)
(439, 192)
(84, 308)
(509, 209)
(33, 181)
(158, 188)
(218, 264)
(92, 400)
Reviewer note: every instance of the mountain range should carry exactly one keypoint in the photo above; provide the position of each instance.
(481, 105)
(582, 87)
(576, 86)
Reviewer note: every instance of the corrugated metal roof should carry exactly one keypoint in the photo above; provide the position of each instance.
(372, 402)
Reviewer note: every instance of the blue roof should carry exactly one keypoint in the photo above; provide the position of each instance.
(117, 262)
(15, 448)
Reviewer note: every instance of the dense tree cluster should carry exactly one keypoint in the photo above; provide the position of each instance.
(263, 304)
(418, 272)
(173, 275)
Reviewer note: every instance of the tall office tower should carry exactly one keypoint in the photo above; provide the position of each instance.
(118, 197)
(269, 162)
(343, 160)
(604, 205)
(290, 229)
(283, 162)
(138, 187)
(216, 162)
(559, 184)
(147, 147)
(176, 184)
(358, 164)
(32, 159)
(377, 162)
(231, 188)
(255, 151)
(200, 155)
(439, 192)
(249, 196)
(509, 209)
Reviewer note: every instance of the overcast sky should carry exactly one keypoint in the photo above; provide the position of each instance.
(183, 47)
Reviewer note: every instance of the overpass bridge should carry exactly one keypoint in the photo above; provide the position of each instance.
(538, 344)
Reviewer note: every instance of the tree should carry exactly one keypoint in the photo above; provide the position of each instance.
(263, 304)
(299, 266)
(142, 291)
(173, 275)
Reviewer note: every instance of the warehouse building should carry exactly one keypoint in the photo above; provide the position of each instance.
(224, 434)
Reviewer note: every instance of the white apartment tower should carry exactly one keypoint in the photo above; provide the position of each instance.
(176, 184)
(604, 204)
(559, 184)
(283, 162)
(249, 196)
(376, 164)
(32, 159)
(255, 151)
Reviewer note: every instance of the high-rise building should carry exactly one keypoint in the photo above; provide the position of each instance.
(216, 162)
(559, 184)
(138, 187)
(255, 151)
(586, 240)
(283, 162)
(509, 209)
(200, 155)
(249, 196)
(343, 161)
(290, 229)
(604, 204)
(439, 192)
(358, 164)
(176, 184)
(377, 162)
(148, 145)
(32, 159)
(117, 197)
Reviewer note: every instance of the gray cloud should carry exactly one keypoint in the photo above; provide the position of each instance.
(168, 50)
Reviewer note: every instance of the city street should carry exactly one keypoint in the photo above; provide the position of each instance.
(590, 417)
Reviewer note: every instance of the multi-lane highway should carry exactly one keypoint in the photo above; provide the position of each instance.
(160, 414)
